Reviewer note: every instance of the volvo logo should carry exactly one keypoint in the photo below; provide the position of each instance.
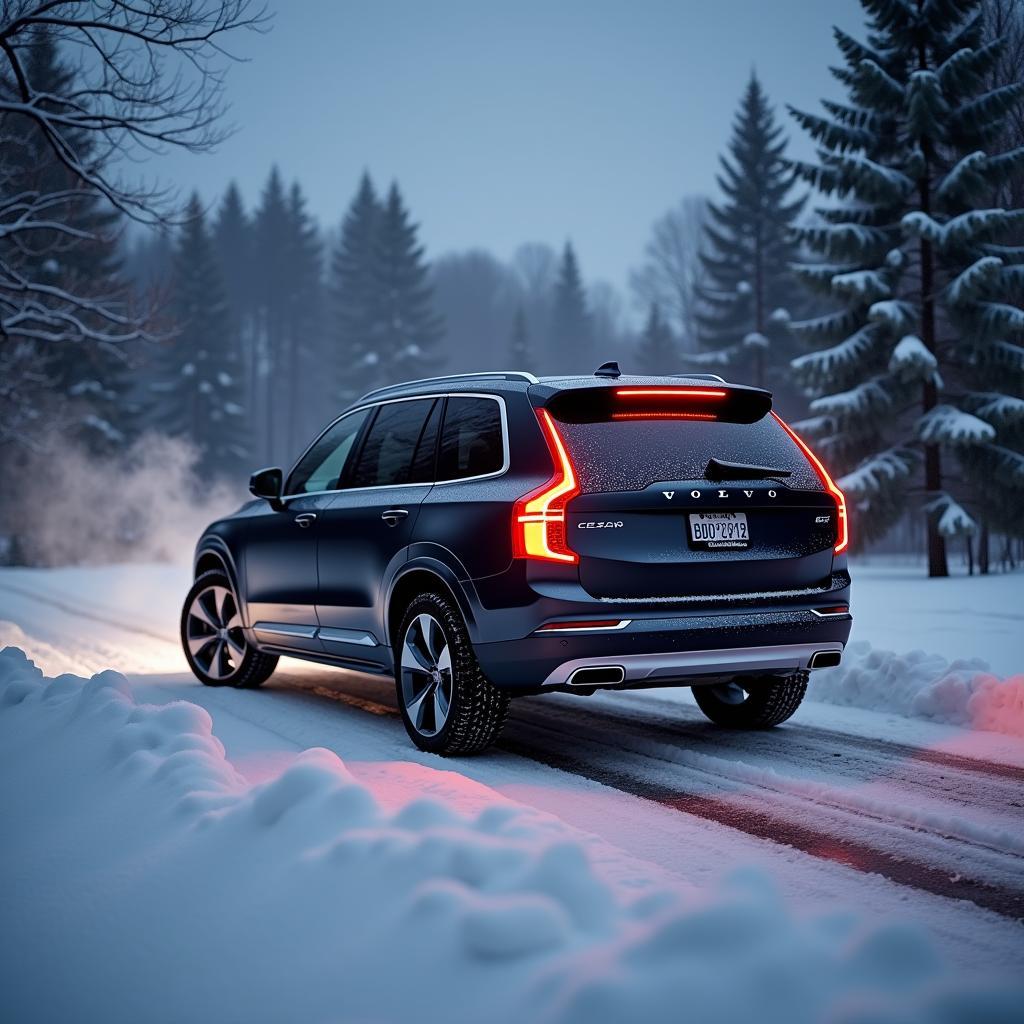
(722, 494)
(669, 494)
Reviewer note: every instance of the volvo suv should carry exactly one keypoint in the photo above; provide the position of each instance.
(484, 536)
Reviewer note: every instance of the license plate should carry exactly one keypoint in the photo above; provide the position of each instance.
(719, 529)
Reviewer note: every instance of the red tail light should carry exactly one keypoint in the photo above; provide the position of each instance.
(663, 416)
(842, 530)
(671, 392)
(538, 518)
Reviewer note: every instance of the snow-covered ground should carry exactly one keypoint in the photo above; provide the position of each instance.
(173, 852)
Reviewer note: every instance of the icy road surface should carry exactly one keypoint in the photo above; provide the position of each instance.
(844, 807)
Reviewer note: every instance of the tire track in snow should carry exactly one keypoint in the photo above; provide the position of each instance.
(536, 738)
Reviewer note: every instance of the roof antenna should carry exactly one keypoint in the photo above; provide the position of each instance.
(609, 369)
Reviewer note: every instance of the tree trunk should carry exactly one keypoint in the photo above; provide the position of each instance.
(937, 565)
(983, 549)
(969, 540)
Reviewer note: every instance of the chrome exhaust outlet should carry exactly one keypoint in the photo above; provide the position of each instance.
(825, 659)
(597, 675)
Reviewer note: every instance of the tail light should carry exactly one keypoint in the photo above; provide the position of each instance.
(842, 530)
(538, 518)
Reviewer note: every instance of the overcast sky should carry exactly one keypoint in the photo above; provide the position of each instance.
(514, 121)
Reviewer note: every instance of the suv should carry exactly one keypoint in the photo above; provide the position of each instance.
(484, 536)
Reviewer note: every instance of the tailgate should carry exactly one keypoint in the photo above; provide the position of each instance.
(690, 498)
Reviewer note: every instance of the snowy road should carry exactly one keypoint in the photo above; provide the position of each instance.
(844, 807)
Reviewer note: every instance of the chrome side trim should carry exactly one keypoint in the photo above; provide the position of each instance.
(506, 454)
(347, 636)
(621, 624)
(680, 664)
(286, 629)
(832, 615)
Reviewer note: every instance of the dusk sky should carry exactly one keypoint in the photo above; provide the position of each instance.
(513, 122)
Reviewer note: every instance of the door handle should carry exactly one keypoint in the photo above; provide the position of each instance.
(306, 519)
(393, 516)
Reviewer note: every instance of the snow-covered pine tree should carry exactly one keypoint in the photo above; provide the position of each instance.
(569, 341)
(407, 328)
(197, 395)
(656, 352)
(519, 341)
(747, 292)
(92, 378)
(919, 371)
(353, 294)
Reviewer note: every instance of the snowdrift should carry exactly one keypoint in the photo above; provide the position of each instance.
(921, 685)
(144, 879)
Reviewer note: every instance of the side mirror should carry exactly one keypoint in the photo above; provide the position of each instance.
(268, 484)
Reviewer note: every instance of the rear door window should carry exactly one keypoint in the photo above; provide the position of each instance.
(386, 458)
(472, 443)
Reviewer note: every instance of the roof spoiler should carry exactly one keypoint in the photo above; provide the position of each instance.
(616, 400)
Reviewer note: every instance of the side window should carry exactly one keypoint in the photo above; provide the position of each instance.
(386, 457)
(321, 467)
(471, 441)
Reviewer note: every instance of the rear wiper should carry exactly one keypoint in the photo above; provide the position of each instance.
(717, 469)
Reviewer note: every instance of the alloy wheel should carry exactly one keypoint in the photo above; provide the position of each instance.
(426, 675)
(214, 633)
(730, 693)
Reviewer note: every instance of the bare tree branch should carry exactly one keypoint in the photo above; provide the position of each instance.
(144, 76)
(671, 271)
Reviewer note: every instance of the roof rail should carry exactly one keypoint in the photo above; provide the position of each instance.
(701, 376)
(493, 374)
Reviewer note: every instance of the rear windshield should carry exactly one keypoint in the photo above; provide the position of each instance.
(631, 454)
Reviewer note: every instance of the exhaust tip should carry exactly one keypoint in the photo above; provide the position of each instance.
(597, 675)
(825, 659)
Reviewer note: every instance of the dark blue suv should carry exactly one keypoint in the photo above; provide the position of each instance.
(489, 535)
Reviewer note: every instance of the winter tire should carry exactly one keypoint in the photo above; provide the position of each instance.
(213, 640)
(752, 703)
(448, 705)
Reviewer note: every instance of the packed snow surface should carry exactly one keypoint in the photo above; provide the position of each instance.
(144, 878)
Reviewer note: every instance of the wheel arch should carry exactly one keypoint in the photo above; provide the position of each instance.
(213, 554)
(418, 578)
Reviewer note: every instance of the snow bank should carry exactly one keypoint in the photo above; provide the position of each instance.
(144, 879)
(921, 685)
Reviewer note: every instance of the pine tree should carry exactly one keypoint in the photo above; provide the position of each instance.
(234, 245)
(409, 329)
(570, 336)
(519, 341)
(309, 401)
(920, 379)
(93, 379)
(197, 395)
(272, 342)
(656, 354)
(748, 292)
(352, 287)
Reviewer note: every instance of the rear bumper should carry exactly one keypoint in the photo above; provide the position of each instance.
(669, 651)
(672, 666)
